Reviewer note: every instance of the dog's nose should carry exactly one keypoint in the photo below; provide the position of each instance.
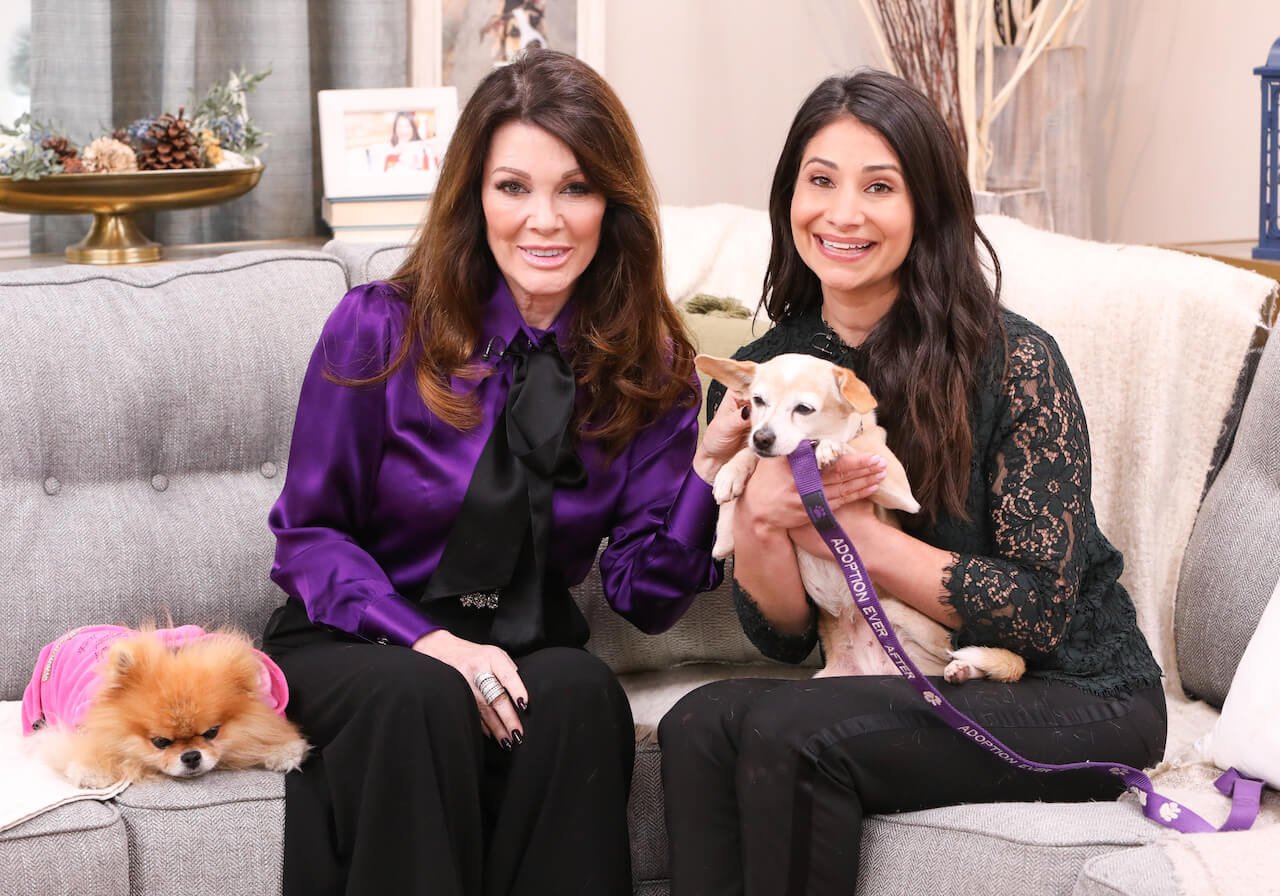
(191, 758)
(763, 439)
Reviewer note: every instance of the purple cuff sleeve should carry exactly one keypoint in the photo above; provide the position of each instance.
(692, 518)
(395, 620)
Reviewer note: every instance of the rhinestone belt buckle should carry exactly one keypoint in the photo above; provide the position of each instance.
(480, 600)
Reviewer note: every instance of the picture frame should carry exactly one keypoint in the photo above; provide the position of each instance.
(442, 49)
(384, 142)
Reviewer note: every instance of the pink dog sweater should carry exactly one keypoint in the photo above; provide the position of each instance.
(68, 674)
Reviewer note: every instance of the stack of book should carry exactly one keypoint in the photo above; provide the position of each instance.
(374, 219)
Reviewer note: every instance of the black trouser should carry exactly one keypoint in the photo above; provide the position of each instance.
(404, 794)
(767, 782)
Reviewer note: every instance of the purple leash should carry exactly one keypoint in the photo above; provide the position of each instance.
(1245, 793)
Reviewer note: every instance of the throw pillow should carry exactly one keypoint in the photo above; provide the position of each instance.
(1231, 564)
(1247, 734)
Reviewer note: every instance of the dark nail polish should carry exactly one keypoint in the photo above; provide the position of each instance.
(506, 744)
(523, 704)
(746, 412)
(517, 737)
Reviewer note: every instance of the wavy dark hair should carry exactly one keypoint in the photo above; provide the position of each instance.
(923, 357)
(630, 348)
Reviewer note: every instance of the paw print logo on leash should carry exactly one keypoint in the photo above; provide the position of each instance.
(1170, 810)
(932, 699)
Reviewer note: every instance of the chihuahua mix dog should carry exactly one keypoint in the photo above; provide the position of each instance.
(109, 704)
(795, 398)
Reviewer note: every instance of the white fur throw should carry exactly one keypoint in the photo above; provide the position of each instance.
(30, 786)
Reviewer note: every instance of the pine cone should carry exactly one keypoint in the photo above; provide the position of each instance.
(73, 165)
(60, 146)
(169, 143)
(122, 134)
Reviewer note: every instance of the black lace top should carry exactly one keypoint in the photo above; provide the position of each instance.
(1030, 569)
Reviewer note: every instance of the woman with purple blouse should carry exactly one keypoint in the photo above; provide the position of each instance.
(467, 434)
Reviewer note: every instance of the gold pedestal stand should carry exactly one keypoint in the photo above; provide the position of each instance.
(113, 199)
(113, 239)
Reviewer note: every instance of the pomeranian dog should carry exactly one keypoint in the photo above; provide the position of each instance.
(110, 704)
(795, 398)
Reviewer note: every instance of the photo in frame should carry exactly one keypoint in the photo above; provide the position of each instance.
(457, 42)
(385, 142)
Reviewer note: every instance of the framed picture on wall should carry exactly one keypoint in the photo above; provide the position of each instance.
(385, 142)
(456, 42)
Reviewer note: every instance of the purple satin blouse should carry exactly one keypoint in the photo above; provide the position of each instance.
(375, 480)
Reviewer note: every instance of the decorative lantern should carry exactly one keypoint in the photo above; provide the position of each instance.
(1269, 183)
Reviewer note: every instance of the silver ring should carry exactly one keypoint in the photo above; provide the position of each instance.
(489, 687)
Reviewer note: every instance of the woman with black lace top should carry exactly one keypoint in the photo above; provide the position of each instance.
(874, 265)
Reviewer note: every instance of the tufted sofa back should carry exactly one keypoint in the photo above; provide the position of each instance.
(145, 417)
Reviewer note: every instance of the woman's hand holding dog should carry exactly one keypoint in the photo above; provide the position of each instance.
(724, 437)
(776, 503)
(770, 516)
(501, 719)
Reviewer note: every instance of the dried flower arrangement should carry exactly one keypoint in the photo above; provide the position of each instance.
(935, 45)
(219, 134)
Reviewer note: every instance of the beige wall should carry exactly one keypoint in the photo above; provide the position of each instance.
(1176, 112)
(712, 85)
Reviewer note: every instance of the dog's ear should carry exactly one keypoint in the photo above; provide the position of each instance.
(736, 375)
(492, 26)
(855, 391)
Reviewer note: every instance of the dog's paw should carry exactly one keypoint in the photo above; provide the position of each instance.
(995, 663)
(87, 778)
(722, 548)
(958, 672)
(828, 452)
(288, 757)
(730, 482)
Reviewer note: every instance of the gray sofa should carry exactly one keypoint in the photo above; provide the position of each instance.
(146, 423)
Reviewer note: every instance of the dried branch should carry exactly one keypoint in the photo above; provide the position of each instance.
(918, 40)
(934, 44)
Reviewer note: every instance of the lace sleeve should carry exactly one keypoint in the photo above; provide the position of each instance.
(1040, 512)
(767, 639)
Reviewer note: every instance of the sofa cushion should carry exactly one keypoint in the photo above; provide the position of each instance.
(225, 829)
(148, 414)
(366, 262)
(1231, 563)
(709, 632)
(1141, 871)
(993, 848)
(78, 848)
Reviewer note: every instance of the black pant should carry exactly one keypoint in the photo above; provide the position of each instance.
(404, 794)
(767, 782)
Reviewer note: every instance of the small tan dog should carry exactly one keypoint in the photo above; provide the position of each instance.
(795, 398)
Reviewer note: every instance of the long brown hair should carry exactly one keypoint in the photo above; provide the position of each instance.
(629, 346)
(924, 355)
